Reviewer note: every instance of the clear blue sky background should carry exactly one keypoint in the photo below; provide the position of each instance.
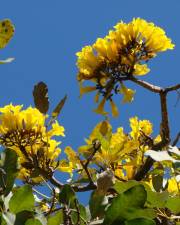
(49, 33)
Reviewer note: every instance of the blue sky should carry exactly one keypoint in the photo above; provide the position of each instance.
(49, 33)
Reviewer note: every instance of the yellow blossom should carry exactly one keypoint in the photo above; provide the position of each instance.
(140, 69)
(87, 63)
(56, 130)
(139, 127)
(100, 108)
(173, 186)
(114, 109)
(128, 93)
(117, 57)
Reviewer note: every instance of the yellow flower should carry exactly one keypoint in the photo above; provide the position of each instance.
(140, 70)
(173, 186)
(117, 57)
(128, 93)
(142, 38)
(114, 109)
(106, 49)
(66, 167)
(72, 156)
(100, 108)
(87, 89)
(56, 130)
(87, 63)
(139, 127)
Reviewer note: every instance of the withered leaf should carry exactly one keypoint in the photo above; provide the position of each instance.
(41, 99)
(59, 107)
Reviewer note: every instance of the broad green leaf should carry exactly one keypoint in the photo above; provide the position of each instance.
(22, 217)
(156, 199)
(128, 205)
(33, 222)
(121, 187)
(173, 204)
(97, 204)
(59, 107)
(22, 199)
(140, 221)
(67, 195)
(41, 99)
(56, 219)
(8, 170)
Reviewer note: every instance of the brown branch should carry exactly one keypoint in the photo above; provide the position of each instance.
(165, 132)
(52, 203)
(145, 84)
(172, 88)
(89, 187)
(144, 169)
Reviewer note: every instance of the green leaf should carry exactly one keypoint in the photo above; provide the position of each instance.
(8, 170)
(173, 204)
(97, 204)
(22, 217)
(2, 221)
(41, 99)
(56, 219)
(33, 222)
(67, 195)
(128, 205)
(22, 199)
(83, 215)
(59, 107)
(121, 187)
(140, 221)
(157, 181)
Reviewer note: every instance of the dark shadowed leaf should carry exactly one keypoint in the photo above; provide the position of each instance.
(22, 199)
(67, 195)
(97, 204)
(8, 170)
(22, 217)
(41, 99)
(157, 181)
(59, 107)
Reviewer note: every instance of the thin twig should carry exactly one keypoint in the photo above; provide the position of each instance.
(172, 88)
(176, 140)
(52, 202)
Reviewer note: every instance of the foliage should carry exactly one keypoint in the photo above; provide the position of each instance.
(134, 177)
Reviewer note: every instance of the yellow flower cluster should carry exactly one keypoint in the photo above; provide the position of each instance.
(25, 131)
(122, 153)
(116, 57)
